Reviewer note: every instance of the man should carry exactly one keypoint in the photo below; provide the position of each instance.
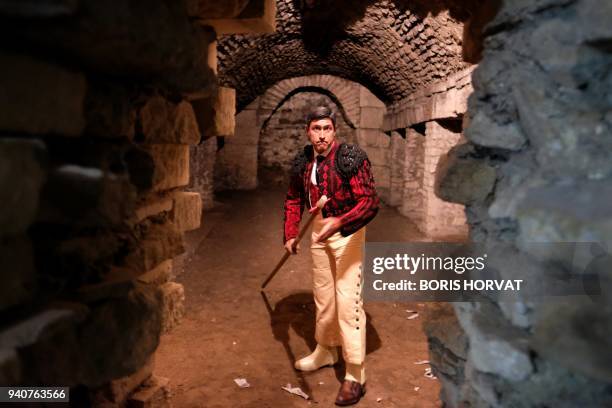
(342, 173)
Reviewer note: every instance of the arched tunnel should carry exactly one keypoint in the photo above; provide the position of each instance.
(146, 150)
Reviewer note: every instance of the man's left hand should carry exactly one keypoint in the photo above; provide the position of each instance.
(331, 225)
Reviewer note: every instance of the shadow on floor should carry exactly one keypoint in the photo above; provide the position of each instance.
(298, 311)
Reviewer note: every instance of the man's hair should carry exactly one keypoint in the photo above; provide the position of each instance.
(321, 112)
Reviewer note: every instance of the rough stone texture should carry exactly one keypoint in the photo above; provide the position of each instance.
(236, 162)
(110, 111)
(22, 174)
(259, 16)
(463, 179)
(154, 393)
(158, 275)
(215, 115)
(170, 164)
(158, 243)
(17, 265)
(420, 42)
(448, 348)
(348, 96)
(95, 132)
(538, 121)
(202, 163)
(440, 100)
(173, 305)
(117, 391)
(441, 218)
(397, 162)
(154, 207)
(175, 57)
(97, 199)
(413, 192)
(187, 210)
(40, 97)
(162, 121)
(63, 345)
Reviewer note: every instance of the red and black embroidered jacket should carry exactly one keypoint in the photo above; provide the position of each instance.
(344, 176)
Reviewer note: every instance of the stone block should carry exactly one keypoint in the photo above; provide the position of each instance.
(202, 164)
(577, 212)
(378, 156)
(216, 115)
(576, 335)
(187, 210)
(371, 118)
(22, 174)
(18, 271)
(213, 60)
(383, 140)
(116, 392)
(96, 198)
(495, 346)
(178, 59)
(170, 166)
(215, 9)
(104, 290)
(109, 111)
(259, 17)
(173, 305)
(247, 129)
(70, 350)
(382, 176)
(163, 121)
(368, 137)
(40, 98)
(368, 99)
(154, 207)
(155, 393)
(159, 243)
(161, 274)
(463, 180)
(484, 131)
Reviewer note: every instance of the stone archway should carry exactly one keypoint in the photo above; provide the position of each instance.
(344, 90)
(282, 132)
(361, 110)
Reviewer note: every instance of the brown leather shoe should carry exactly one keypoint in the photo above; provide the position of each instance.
(350, 393)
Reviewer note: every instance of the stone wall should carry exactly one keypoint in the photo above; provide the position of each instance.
(442, 219)
(423, 128)
(202, 160)
(413, 191)
(95, 135)
(537, 168)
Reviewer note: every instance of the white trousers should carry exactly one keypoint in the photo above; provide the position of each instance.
(337, 286)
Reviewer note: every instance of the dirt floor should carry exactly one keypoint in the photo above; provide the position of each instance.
(231, 330)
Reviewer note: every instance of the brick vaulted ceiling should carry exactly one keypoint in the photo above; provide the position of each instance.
(390, 46)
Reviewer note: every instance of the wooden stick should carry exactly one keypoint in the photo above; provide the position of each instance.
(303, 230)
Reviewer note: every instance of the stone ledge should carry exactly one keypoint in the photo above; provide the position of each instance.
(444, 99)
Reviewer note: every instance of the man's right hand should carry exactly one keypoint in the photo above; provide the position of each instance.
(291, 248)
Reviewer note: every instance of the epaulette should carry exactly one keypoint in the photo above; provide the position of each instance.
(349, 159)
(302, 159)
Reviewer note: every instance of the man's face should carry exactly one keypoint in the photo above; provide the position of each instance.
(321, 134)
